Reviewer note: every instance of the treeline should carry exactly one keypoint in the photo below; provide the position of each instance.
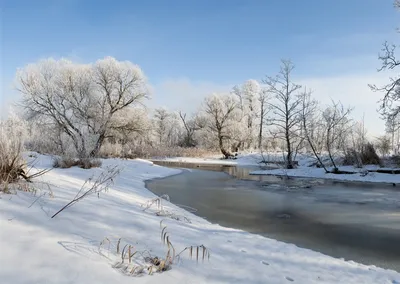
(85, 111)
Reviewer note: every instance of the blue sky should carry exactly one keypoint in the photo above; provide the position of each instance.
(196, 46)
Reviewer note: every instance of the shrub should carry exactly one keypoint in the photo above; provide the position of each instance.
(369, 155)
(352, 157)
(12, 165)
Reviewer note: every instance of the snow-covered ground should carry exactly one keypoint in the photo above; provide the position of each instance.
(359, 175)
(37, 249)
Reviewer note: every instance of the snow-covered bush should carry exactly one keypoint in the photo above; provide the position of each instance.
(12, 136)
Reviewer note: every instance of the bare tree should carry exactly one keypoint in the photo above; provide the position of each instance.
(383, 144)
(359, 136)
(263, 98)
(389, 107)
(81, 99)
(336, 122)
(286, 109)
(190, 125)
(220, 111)
(393, 129)
(309, 113)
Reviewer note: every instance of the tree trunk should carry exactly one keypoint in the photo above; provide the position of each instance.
(261, 128)
(98, 145)
(224, 152)
(289, 161)
(328, 148)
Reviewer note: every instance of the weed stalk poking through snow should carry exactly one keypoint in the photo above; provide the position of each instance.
(102, 183)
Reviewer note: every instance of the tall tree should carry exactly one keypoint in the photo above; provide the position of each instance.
(309, 118)
(253, 103)
(286, 109)
(336, 123)
(220, 113)
(389, 105)
(81, 100)
(191, 125)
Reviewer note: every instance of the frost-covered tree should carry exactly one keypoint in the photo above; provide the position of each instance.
(253, 104)
(161, 124)
(221, 118)
(285, 113)
(127, 124)
(167, 127)
(81, 100)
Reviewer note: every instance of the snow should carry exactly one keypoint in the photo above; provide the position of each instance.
(358, 176)
(37, 249)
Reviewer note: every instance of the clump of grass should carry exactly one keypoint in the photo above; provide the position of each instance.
(68, 162)
(193, 250)
(133, 262)
(157, 202)
(13, 167)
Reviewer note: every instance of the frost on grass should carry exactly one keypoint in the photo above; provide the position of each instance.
(96, 186)
(132, 261)
(156, 205)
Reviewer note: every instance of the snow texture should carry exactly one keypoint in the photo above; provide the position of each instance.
(37, 249)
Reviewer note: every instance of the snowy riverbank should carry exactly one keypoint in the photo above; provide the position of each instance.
(358, 175)
(304, 169)
(38, 249)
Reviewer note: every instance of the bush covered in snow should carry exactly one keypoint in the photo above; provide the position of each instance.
(12, 164)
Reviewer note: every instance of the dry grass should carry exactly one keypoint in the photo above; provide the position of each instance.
(67, 162)
(12, 165)
(147, 152)
(133, 262)
(93, 186)
(14, 171)
(160, 210)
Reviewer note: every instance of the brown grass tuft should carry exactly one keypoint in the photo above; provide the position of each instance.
(67, 162)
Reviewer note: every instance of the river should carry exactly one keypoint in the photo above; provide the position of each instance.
(354, 221)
